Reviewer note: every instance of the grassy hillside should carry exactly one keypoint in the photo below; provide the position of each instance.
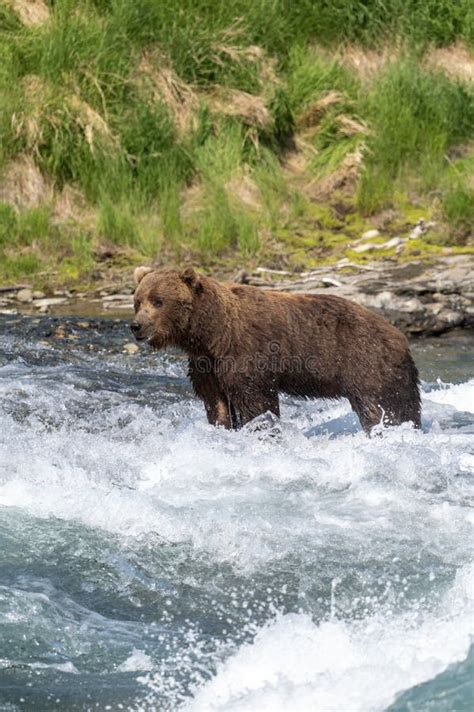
(277, 130)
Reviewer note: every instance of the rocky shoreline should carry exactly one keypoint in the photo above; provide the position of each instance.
(423, 297)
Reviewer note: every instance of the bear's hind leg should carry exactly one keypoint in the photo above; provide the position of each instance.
(384, 410)
(368, 412)
(400, 398)
(407, 411)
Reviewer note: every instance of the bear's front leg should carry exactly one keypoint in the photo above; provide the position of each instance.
(218, 412)
(218, 408)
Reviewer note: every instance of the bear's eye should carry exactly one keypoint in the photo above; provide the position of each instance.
(157, 301)
(137, 304)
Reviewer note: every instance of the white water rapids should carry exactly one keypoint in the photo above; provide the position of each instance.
(155, 562)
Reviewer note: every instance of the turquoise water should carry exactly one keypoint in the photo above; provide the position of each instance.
(151, 562)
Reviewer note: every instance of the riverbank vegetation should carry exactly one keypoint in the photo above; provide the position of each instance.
(210, 131)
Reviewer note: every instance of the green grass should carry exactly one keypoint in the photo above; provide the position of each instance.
(222, 225)
(25, 228)
(458, 206)
(139, 105)
(20, 266)
(117, 224)
(31, 242)
(415, 116)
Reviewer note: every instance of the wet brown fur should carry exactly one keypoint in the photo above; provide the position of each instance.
(246, 345)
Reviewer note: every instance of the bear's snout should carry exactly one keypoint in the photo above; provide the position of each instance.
(136, 327)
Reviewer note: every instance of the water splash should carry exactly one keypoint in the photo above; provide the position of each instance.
(149, 560)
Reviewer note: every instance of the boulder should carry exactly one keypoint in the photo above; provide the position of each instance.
(25, 296)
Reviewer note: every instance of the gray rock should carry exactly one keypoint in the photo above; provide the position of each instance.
(131, 348)
(44, 304)
(419, 229)
(394, 242)
(382, 300)
(116, 298)
(24, 296)
(407, 306)
(38, 294)
(434, 308)
(448, 319)
(367, 247)
(126, 306)
(370, 234)
(331, 282)
(410, 305)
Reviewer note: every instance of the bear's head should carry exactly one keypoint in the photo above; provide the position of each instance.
(163, 303)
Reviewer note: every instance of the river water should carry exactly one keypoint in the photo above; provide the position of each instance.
(151, 562)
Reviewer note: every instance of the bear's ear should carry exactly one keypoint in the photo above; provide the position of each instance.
(192, 279)
(140, 272)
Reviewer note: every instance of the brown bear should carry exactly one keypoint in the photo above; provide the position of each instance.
(246, 345)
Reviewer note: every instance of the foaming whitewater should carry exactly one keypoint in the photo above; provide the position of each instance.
(296, 664)
(150, 561)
